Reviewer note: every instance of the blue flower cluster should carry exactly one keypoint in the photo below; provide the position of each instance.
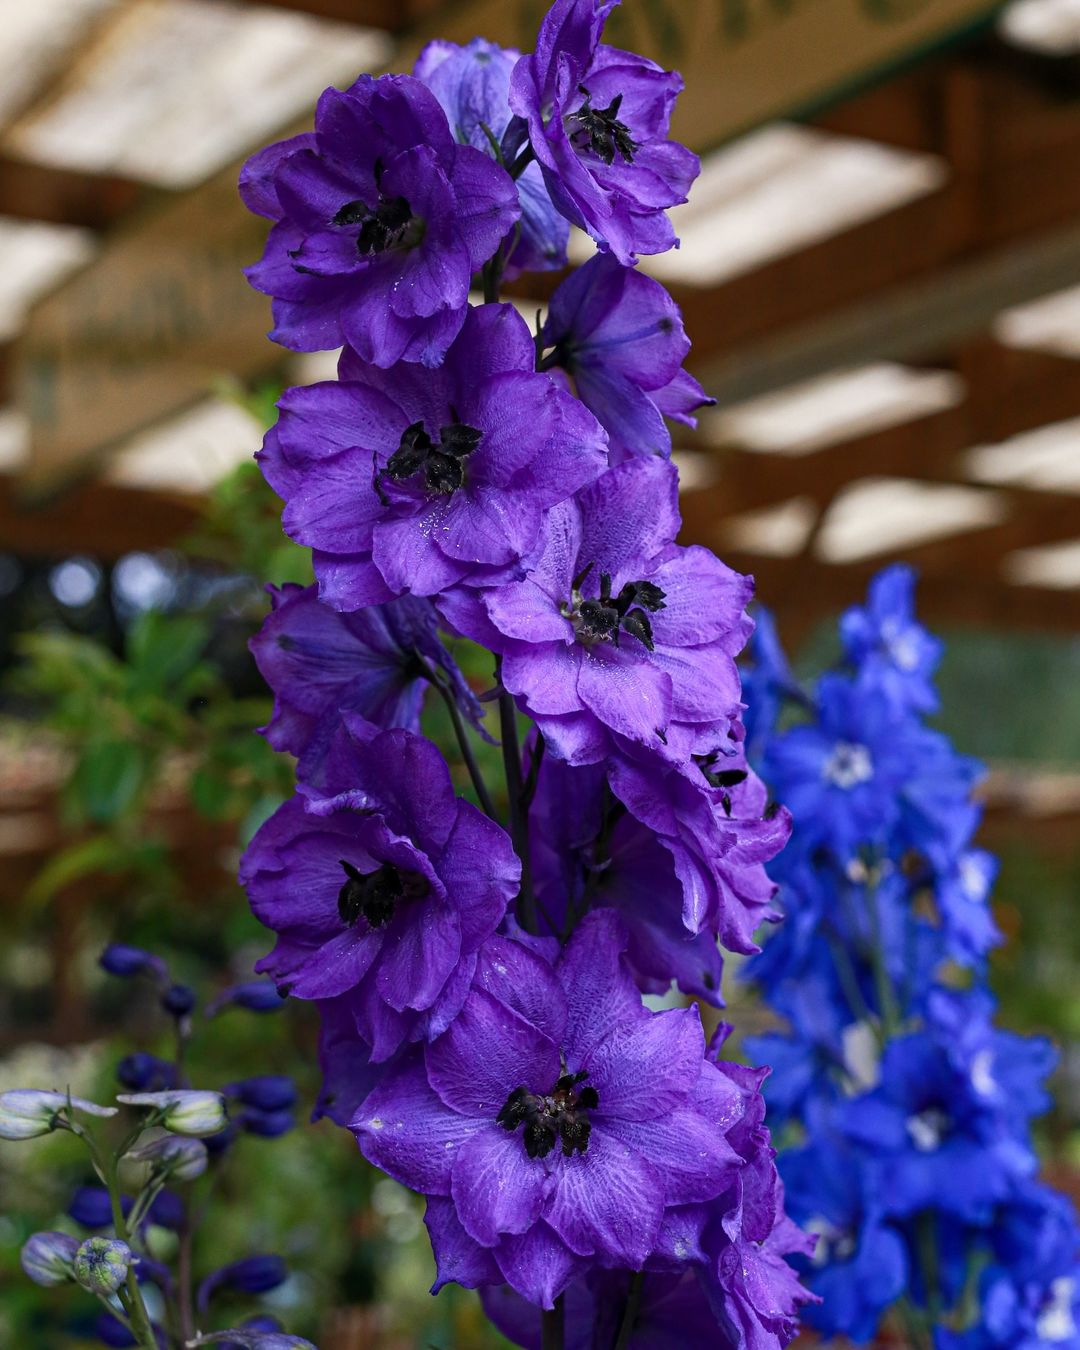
(915, 1166)
(592, 1165)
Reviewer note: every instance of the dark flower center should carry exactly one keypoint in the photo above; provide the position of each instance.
(375, 895)
(390, 224)
(599, 130)
(558, 1114)
(602, 618)
(442, 461)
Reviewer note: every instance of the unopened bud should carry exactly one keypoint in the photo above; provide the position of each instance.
(101, 1264)
(184, 1112)
(171, 1156)
(47, 1257)
(26, 1113)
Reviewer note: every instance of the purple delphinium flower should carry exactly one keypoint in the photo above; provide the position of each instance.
(671, 1312)
(620, 336)
(589, 851)
(891, 649)
(554, 1120)
(380, 221)
(384, 888)
(615, 633)
(597, 120)
(473, 85)
(320, 663)
(416, 480)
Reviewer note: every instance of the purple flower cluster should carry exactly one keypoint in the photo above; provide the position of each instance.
(480, 968)
(917, 1169)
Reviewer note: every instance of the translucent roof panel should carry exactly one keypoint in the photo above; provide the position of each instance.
(37, 257)
(781, 189)
(178, 88)
(36, 41)
(1048, 458)
(833, 408)
(776, 531)
(1051, 324)
(1054, 565)
(191, 452)
(1051, 27)
(881, 515)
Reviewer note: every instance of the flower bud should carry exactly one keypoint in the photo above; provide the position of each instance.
(265, 1092)
(183, 1112)
(91, 1207)
(178, 1000)
(141, 1072)
(252, 1275)
(266, 1124)
(123, 961)
(101, 1264)
(47, 1257)
(259, 996)
(169, 1156)
(26, 1113)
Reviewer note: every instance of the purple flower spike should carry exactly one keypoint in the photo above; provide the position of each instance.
(620, 335)
(473, 85)
(321, 663)
(616, 636)
(413, 480)
(555, 1120)
(597, 120)
(380, 220)
(385, 890)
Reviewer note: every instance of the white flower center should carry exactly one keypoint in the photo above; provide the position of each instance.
(901, 644)
(982, 1074)
(833, 1243)
(848, 765)
(927, 1129)
(1056, 1321)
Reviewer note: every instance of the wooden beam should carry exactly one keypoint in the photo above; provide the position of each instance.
(101, 519)
(395, 16)
(66, 196)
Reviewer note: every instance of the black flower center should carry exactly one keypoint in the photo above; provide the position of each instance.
(442, 462)
(375, 895)
(603, 617)
(558, 1114)
(599, 130)
(390, 224)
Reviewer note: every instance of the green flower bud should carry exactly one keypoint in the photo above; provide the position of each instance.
(101, 1264)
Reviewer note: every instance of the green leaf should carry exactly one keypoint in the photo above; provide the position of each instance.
(163, 648)
(107, 779)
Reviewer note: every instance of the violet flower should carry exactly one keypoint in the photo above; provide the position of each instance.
(616, 634)
(597, 121)
(414, 480)
(473, 85)
(380, 222)
(320, 663)
(620, 336)
(555, 1120)
(384, 889)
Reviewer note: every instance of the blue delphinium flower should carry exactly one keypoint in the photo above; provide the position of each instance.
(916, 1168)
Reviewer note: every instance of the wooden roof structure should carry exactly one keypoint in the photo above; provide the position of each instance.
(895, 377)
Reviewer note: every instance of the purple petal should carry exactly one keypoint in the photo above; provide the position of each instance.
(607, 1201)
(496, 1186)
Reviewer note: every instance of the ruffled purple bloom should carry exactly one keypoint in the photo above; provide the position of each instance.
(377, 662)
(555, 1120)
(616, 634)
(590, 851)
(384, 888)
(620, 336)
(597, 120)
(472, 83)
(380, 220)
(415, 480)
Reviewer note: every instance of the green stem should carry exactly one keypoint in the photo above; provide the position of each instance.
(519, 817)
(553, 1327)
(630, 1311)
(140, 1320)
(461, 732)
